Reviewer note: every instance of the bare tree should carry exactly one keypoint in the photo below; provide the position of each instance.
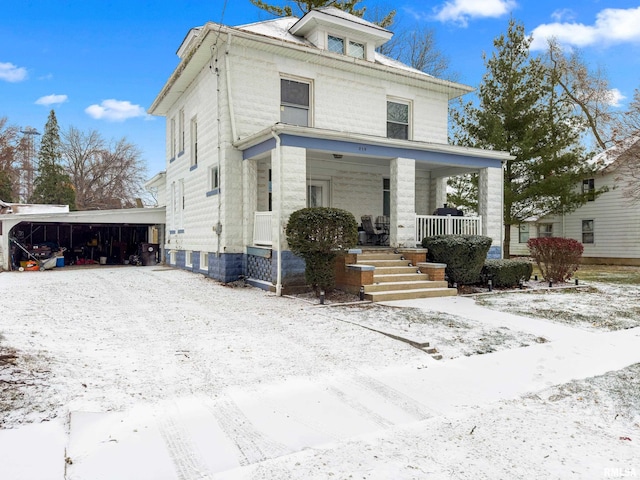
(628, 137)
(12, 147)
(105, 176)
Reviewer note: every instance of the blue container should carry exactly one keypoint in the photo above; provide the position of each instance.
(59, 261)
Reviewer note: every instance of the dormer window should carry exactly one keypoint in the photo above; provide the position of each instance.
(337, 45)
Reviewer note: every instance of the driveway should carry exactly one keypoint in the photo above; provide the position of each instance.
(150, 372)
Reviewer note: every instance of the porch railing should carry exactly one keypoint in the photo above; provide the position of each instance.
(431, 225)
(426, 226)
(262, 228)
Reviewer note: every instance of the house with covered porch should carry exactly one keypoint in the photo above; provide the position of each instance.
(267, 118)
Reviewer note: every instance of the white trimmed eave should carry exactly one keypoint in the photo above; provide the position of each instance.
(202, 50)
(132, 216)
(310, 132)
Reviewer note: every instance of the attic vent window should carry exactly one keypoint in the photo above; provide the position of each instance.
(337, 45)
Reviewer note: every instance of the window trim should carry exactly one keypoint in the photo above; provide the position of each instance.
(181, 133)
(194, 141)
(213, 180)
(172, 139)
(521, 232)
(408, 104)
(589, 189)
(591, 232)
(204, 261)
(309, 107)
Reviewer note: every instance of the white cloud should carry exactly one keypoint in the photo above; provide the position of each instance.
(11, 73)
(612, 26)
(115, 110)
(460, 11)
(51, 99)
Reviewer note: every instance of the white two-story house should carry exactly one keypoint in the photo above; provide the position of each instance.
(268, 118)
(607, 225)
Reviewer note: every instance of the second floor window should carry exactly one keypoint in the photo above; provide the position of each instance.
(398, 120)
(172, 138)
(181, 131)
(589, 189)
(294, 102)
(194, 141)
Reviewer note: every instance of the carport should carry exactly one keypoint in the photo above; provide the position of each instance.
(87, 237)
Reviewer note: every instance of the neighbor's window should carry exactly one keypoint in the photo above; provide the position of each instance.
(589, 189)
(181, 130)
(335, 44)
(398, 120)
(587, 231)
(295, 102)
(523, 233)
(194, 142)
(545, 230)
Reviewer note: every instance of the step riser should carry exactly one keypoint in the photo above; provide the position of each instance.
(410, 294)
(365, 257)
(392, 270)
(384, 263)
(386, 287)
(413, 277)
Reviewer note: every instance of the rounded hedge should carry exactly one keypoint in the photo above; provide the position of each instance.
(463, 254)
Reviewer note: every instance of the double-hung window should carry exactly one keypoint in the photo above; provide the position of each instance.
(523, 233)
(587, 231)
(181, 131)
(194, 142)
(589, 189)
(295, 102)
(172, 138)
(398, 119)
(545, 230)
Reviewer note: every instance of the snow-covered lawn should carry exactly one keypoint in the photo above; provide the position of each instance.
(121, 369)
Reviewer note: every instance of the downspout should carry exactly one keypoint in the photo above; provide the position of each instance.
(232, 117)
(278, 220)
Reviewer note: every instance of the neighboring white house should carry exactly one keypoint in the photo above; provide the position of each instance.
(267, 118)
(607, 225)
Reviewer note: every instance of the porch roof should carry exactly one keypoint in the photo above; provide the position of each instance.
(369, 146)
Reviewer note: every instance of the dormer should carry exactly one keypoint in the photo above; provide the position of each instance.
(337, 31)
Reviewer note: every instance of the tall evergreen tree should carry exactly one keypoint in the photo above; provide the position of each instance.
(52, 185)
(522, 111)
(305, 6)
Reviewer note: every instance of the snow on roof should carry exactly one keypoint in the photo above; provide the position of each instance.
(608, 158)
(277, 28)
(336, 12)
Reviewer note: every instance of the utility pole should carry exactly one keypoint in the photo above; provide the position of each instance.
(27, 168)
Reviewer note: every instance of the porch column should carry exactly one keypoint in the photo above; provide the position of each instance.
(288, 187)
(249, 198)
(490, 192)
(437, 193)
(403, 203)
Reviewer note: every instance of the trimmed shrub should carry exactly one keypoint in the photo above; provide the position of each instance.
(507, 273)
(319, 235)
(556, 257)
(463, 254)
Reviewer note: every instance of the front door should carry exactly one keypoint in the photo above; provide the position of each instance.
(318, 193)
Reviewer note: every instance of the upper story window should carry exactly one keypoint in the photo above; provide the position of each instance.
(181, 130)
(172, 138)
(589, 189)
(194, 142)
(335, 44)
(339, 45)
(295, 102)
(398, 120)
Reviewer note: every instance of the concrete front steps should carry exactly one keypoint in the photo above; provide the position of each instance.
(394, 278)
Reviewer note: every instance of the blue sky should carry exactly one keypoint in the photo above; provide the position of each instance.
(100, 64)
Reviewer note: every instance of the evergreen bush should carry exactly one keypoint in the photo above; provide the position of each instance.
(463, 254)
(319, 235)
(556, 257)
(507, 273)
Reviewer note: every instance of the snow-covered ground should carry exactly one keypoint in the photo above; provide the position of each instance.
(150, 372)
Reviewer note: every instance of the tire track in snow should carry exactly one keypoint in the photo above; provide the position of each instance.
(189, 465)
(252, 445)
(395, 397)
(359, 407)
